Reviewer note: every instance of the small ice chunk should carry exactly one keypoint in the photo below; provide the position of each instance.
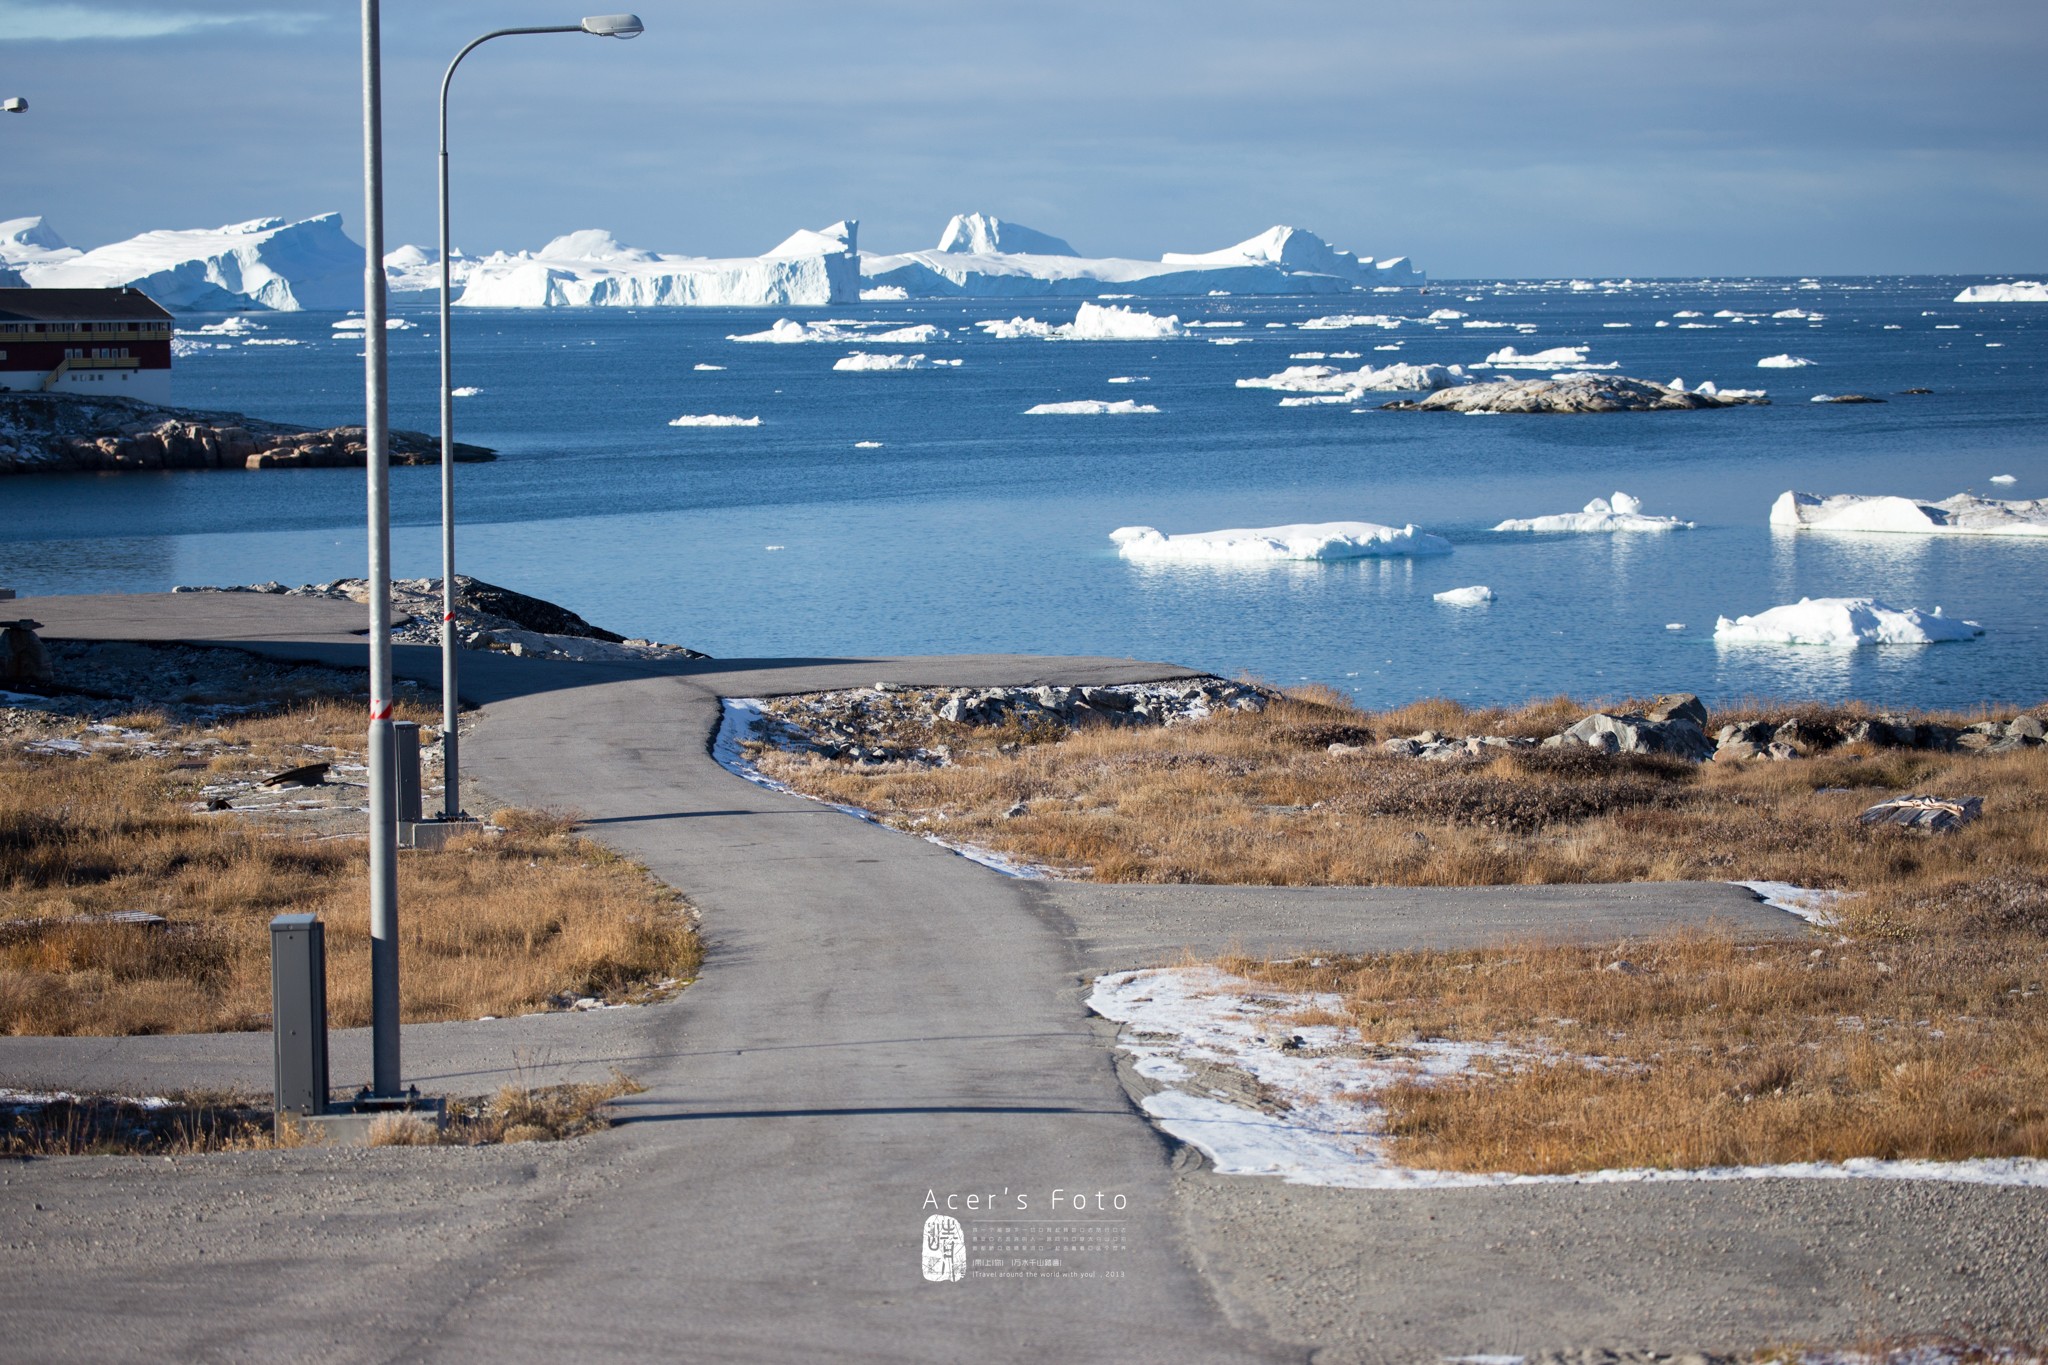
(2003, 478)
(1618, 513)
(1089, 407)
(712, 419)
(466, 391)
(1314, 540)
(1783, 362)
(701, 366)
(1476, 596)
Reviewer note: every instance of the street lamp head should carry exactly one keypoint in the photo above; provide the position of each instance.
(14, 104)
(614, 25)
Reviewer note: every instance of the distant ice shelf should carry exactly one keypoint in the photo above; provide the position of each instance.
(591, 269)
(2015, 291)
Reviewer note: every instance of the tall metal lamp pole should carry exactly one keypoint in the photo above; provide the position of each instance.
(604, 26)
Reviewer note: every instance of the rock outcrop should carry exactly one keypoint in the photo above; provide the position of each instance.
(48, 433)
(1571, 393)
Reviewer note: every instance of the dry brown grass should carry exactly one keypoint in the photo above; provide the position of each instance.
(1703, 1051)
(1256, 798)
(495, 925)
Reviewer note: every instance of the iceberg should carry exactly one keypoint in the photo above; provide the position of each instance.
(982, 234)
(787, 333)
(1338, 321)
(1618, 513)
(263, 263)
(1556, 358)
(1965, 514)
(712, 419)
(1783, 362)
(1092, 322)
(1843, 623)
(1328, 379)
(2014, 291)
(1090, 407)
(591, 269)
(982, 256)
(415, 270)
(1477, 596)
(1319, 540)
(31, 241)
(869, 362)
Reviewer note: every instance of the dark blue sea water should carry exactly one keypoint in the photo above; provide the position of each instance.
(974, 526)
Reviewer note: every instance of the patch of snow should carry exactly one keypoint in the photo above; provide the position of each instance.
(1319, 540)
(1466, 597)
(1815, 907)
(1843, 623)
(1321, 1124)
(1618, 513)
(1090, 407)
(1962, 515)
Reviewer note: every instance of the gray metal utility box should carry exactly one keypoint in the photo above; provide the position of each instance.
(298, 1013)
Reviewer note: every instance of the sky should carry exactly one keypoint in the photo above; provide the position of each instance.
(1477, 137)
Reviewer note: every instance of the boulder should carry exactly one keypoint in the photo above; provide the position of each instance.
(1935, 814)
(1641, 735)
(1679, 706)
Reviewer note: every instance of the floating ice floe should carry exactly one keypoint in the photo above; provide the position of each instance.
(236, 326)
(1339, 321)
(1319, 1120)
(869, 362)
(1799, 313)
(2015, 291)
(712, 419)
(1618, 513)
(1556, 358)
(1130, 379)
(1092, 322)
(1328, 379)
(1843, 623)
(1962, 515)
(787, 333)
(1090, 407)
(363, 324)
(1316, 540)
(1476, 596)
(1708, 388)
(2003, 478)
(1783, 362)
(703, 366)
(466, 391)
(867, 445)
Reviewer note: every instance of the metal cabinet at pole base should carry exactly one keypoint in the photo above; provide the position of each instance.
(298, 1013)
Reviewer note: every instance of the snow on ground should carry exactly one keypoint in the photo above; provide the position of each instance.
(1187, 1028)
(1398, 378)
(870, 362)
(1555, 358)
(1476, 596)
(1092, 322)
(1619, 513)
(1843, 623)
(1319, 540)
(2017, 291)
(1090, 407)
(712, 419)
(1962, 515)
(1783, 362)
(1815, 907)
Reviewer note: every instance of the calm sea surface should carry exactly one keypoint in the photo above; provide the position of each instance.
(975, 527)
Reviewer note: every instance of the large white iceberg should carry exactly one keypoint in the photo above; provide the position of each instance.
(415, 270)
(981, 256)
(2016, 291)
(263, 263)
(1330, 380)
(592, 269)
(1962, 515)
(31, 241)
(1842, 623)
(1092, 322)
(1318, 540)
(983, 234)
(1618, 513)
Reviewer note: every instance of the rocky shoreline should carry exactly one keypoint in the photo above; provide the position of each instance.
(48, 433)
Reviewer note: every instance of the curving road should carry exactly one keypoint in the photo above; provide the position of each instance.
(882, 1030)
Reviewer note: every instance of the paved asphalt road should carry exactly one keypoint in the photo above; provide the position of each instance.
(884, 1030)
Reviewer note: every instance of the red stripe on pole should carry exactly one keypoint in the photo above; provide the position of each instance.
(380, 710)
(447, 616)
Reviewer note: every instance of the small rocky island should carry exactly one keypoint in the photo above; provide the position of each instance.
(49, 433)
(1574, 393)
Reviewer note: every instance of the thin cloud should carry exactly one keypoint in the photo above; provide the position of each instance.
(82, 23)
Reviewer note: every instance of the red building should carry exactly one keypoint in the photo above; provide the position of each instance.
(115, 343)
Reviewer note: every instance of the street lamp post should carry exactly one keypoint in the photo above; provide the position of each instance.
(603, 26)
